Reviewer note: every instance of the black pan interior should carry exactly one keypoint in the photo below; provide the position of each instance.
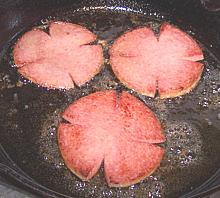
(29, 114)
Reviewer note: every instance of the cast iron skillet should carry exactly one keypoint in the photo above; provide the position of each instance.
(29, 114)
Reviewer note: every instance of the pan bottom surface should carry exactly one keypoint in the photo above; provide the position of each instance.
(29, 116)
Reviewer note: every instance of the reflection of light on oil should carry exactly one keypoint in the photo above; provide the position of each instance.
(13, 19)
(184, 144)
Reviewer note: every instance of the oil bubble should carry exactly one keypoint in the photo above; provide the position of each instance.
(184, 143)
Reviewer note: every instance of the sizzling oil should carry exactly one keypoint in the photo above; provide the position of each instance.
(31, 114)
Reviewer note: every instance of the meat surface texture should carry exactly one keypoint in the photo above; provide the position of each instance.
(119, 131)
(59, 59)
(145, 62)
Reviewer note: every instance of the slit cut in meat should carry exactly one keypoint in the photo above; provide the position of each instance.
(123, 134)
(48, 59)
(140, 59)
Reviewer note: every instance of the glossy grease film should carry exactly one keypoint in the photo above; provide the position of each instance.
(29, 116)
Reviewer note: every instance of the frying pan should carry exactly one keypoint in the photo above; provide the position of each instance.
(29, 114)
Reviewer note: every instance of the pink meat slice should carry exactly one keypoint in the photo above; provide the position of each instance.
(40, 71)
(75, 146)
(89, 66)
(125, 45)
(72, 32)
(129, 162)
(87, 110)
(100, 125)
(64, 51)
(181, 80)
(140, 122)
(150, 60)
(176, 43)
(132, 72)
(30, 47)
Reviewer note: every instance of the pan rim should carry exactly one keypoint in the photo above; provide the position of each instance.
(46, 190)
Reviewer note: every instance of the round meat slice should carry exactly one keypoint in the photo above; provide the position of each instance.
(59, 59)
(104, 127)
(141, 61)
